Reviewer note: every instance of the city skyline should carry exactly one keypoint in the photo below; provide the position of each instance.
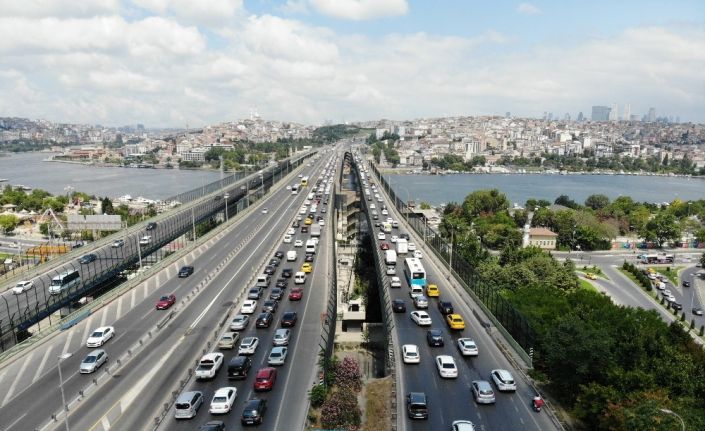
(168, 63)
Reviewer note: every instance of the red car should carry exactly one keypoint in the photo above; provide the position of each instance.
(384, 246)
(265, 378)
(165, 302)
(296, 294)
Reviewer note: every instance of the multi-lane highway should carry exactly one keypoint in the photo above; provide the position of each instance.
(451, 399)
(133, 393)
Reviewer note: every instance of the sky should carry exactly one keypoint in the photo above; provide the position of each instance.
(172, 63)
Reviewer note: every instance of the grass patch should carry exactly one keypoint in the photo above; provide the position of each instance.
(584, 284)
(630, 276)
(378, 415)
(671, 275)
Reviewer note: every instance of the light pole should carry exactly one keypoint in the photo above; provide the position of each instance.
(193, 223)
(226, 197)
(671, 412)
(64, 407)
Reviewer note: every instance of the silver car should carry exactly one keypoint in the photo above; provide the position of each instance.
(239, 322)
(277, 356)
(281, 337)
(93, 361)
(482, 392)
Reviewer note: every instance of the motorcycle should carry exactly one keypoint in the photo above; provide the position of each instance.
(537, 403)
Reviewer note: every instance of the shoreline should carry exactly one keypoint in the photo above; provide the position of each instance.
(399, 171)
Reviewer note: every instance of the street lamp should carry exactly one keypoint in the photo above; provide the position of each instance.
(671, 412)
(226, 197)
(61, 386)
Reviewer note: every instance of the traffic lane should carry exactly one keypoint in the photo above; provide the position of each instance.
(621, 287)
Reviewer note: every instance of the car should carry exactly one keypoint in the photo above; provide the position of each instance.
(432, 291)
(254, 293)
(411, 246)
(482, 392)
(185, 271)
(445, 307)
(151, 225)
(265, 379)
(416, 405)
(321, 222)
(22, 286)
(384, 212)
(304, 229)
(462, 425)
(298, 243)
(118, 243)
(434, 337)
(253, 412)
(306, 267)
(146, 240)
(100, 336)
(265, 210)
(421, 318)
(264, 319)
(276, 294)
(410, 354)
(93, 361)
(239, 322)
(165, 301)
(394, 238)
(279, 254)
(697, 311)
(446, 367)
(391, 270)
(270, 305)
(277, 356)
(384, 246)
(87, 258)
(212, 426)
(248, 346)
(270, 269)
(223, 400)
(239, 367)
(209, 365)
(296, 294)
(287, 272)
(281, 283)
(288, 239)
(676, 305)
(289, 319)
(295, 223)
(667, 292)
(228, 340)
(291, 231)
(590, 276)
(308, 220)
(504, 380)
(455, 321)
(420, 302)
(685, 283)
(281, 337)
(467, 347)
(248, 306)
(399, 306)
(381, 236)
(308, 258)
(418, 254)
(395, 282)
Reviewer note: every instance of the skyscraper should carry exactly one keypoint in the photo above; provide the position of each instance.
(626, 115)
(600, 113)
(652, 115)
(580, 116)
(614, 113)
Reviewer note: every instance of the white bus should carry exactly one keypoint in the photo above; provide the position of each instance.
(414, 272)
(64, 281)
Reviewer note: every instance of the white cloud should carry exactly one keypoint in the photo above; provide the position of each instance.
(358, 10)
(202, 12)
(58, 8)
(528, 9)
(295, 7)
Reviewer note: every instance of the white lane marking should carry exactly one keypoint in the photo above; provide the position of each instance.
(104, 317)
(88, 327)
(18, 377)
(106, 423)
(12, 425)
(40, 368)
(67, 343)
(118, 313)
(144, 288)
(132, 300)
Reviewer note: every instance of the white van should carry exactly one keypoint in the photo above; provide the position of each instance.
(300, 277)
(291, 256)
(263, 280)
(311, 246)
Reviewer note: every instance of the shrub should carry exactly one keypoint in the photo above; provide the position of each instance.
(347, 375)
(317, 395)
(340, 410)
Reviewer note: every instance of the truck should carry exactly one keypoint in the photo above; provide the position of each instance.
(402, 246)
(390, 257)
(315, 230)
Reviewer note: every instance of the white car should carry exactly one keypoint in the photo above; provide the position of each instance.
(277, 356)
(372, 206)
(446, 366)
(22, 286)
(298, 243)
(248, 346)
(385, 212)
(467, 347)
(288, 187)
(248, 306)
(411, 246)
(265, 210)
(667, 292)
(209, 365)
(503, 380)
(410, 354)
(391, 270)
(421, 318)
(462, 425)
(145, 240)
(394, 238)
(291, 231)
(321, 222)
(100, 336)
(288, 239)
(396, 282)
(239, 322)
(418, 254)
(93, 361)
(223, 400)
(381, 236)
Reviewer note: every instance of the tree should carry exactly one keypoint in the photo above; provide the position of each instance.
(662, 229)
(425, 206)
(8, 222)
(702, 260)
(565, 201)
(485, 202)
(597, 201)
(106, 206)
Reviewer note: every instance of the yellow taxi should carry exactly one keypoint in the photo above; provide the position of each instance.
(591, 276)
(455, 321)
(306, 267)
(308, 220)
(432, 291)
